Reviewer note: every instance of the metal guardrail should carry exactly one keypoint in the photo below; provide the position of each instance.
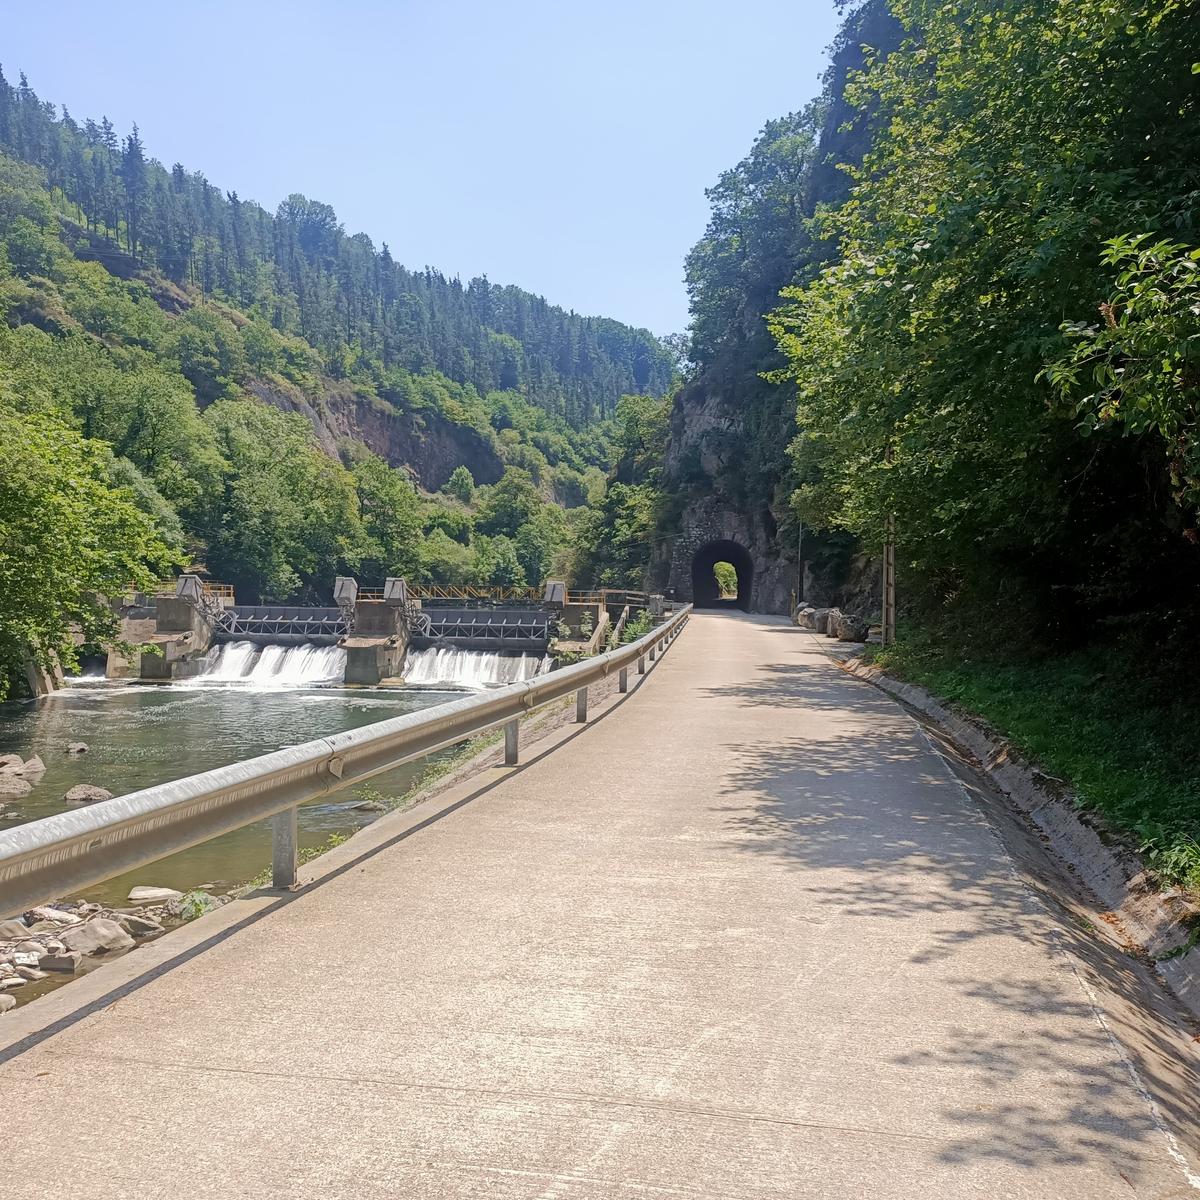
(61, 855)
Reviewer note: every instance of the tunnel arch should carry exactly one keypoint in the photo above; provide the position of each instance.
(705, 592)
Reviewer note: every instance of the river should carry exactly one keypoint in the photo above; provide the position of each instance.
(142, 735)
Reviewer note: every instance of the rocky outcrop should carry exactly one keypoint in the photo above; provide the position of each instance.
(426, 442)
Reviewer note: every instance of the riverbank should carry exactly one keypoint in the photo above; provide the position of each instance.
(1105, 720)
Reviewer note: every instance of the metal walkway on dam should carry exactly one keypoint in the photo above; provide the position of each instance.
(751, 932)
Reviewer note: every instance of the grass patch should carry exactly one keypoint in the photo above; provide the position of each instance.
(1102, 718)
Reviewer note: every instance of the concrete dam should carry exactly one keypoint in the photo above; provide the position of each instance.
(471, 638)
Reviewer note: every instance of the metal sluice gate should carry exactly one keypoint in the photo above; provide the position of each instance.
(483, 629)
(281, 624)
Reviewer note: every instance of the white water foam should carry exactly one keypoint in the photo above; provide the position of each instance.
(274, 666)
(447, 667)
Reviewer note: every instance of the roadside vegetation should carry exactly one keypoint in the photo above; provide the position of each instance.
(1101, 718)
(1004, 357)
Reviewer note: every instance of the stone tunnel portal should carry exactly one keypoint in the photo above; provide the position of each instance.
(706, 592)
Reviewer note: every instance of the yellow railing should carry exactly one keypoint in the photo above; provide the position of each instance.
(433, 592)
(221, 591)
(609, 597)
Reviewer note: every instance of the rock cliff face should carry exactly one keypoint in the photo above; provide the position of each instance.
(425, 442)
(702, 451)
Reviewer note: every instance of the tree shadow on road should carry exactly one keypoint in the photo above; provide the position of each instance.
(871, 826)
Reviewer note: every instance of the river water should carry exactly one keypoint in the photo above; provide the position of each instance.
(247, 704)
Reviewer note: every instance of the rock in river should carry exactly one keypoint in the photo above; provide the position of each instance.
(13, 786)
(87, 793)
(97, 936)
(143, 894)
(51, 916)
(77, 747)
(68, 963)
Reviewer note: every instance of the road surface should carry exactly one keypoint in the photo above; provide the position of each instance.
(746, 935)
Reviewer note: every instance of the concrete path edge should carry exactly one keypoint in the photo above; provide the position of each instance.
(1157, 923)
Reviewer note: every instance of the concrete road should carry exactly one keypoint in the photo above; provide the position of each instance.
(747, 935)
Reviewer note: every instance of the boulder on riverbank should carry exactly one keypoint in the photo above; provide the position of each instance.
(97, 936)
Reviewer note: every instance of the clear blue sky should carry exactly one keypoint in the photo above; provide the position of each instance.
(561, 146)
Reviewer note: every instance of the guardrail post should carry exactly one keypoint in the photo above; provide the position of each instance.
(642, 665)
(581, 706)
(285, 848)
(512, 743)
(623, 680)
(653, 651)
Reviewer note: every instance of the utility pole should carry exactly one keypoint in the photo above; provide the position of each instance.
(889, 571)
(800, 563)
(889, 581)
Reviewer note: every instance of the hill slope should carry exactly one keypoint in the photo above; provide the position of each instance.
(304, 275)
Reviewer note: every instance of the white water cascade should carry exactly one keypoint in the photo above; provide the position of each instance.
(475, 669)
(274, 666)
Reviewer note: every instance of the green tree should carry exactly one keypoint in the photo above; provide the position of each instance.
(291, 519)
(497, 564)
(390, 513)
(447, 562)
(461, 485)
(727, 578)
(68, 541)
(509, 504)
(979, 218)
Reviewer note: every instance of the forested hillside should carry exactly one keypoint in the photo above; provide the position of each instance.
(300, 272)
(188, 380)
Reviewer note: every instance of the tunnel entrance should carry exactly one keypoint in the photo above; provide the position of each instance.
(707, 587)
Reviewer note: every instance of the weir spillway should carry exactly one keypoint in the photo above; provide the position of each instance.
(468, 637)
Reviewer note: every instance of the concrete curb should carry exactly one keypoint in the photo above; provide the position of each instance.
(1155, 921)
